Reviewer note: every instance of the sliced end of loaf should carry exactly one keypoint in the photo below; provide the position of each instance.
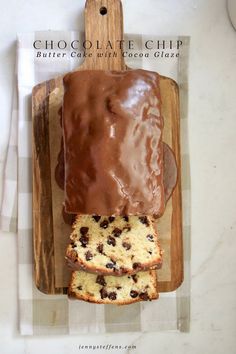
(113, 290)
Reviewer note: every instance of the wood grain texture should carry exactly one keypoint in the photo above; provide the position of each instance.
(102, 28)
(104, 31)
(170, 97)
(44, 265)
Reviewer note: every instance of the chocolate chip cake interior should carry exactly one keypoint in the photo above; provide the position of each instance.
(114, 245)
(112, 289)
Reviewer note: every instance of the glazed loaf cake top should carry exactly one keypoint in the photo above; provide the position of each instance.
(112, 130)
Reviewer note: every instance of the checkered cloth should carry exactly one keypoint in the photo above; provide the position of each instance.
(55, 314)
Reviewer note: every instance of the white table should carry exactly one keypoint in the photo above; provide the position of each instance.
(212, 123)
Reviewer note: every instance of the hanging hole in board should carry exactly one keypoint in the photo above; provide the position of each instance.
(103, 10)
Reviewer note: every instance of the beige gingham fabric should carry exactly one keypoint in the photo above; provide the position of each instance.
(55, 314)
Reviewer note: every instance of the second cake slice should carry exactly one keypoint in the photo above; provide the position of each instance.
(114, 245)
(113, 290)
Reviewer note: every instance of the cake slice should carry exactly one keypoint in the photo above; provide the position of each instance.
(114, 245)
(113, 290)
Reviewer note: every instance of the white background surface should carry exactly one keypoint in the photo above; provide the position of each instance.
(212, 130)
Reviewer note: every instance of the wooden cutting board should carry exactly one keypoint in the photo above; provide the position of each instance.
(103, 23)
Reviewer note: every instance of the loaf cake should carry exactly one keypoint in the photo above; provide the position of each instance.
(113, 245)
(112, 132)
(113, 290)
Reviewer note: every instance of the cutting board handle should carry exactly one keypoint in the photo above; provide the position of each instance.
(104, 35)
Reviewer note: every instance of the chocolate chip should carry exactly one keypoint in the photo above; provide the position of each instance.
(73, 256)
(101, 280)
(88, 256)
(150, 252)
(73, 245)
(112, 295)
(119, 287)
(79, 287)
(133, 294)
(135, 279)
(126, 218)
(84, 241)
(100, 248)
(110, 265)
(150, 238)
(104, 224)
(111, 241)
(84, 230)
(117, 232)
(96, 217)
(103, 293)
(144, 296)
(127, 228)
(137, 265)
(144, 220)
(126, 245)
(111, 219)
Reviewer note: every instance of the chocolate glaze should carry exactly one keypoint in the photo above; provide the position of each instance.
(169, 177)
(60, 168)
(68, 218)
(170, 171)
(112, 128)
